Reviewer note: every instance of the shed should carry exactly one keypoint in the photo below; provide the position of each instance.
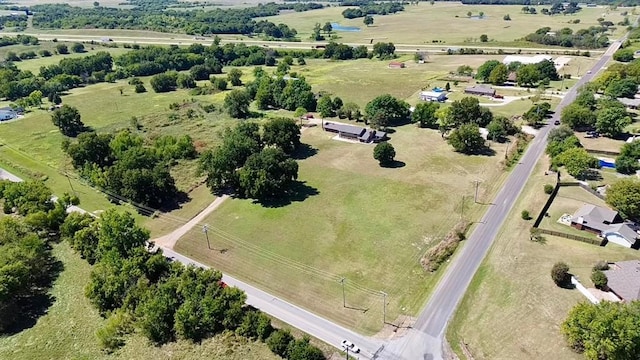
(396, 65)
(7, 114)
(433, 96)
(480, 90)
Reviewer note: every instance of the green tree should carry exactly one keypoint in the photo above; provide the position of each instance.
(384, 50)
(77, 48)
(327, 28)
(278, 342)
(607, 330)
(384, 153)
(577, 161)
(528, 75)
(484, 38)
(467, 139)
(576, 116)
(385, 110)
(625, 88)
(164, 82)
(496, 130)
(234, 76)
(485, 70)
(506, 17)
(560, 274)
(325, 107)
(623, 55)
(67, 119)
(599, 279)
(424, 114)
(586, 98)
(547, 70)
(62, 49)
(468, 70)
(624, 196)
(468, 110)
(185, 81)
(612, 121)
(267, 175)
(498, 75)
(237, 103)
(219, 83)
(283, 133)
(119, 233)
(368, 20)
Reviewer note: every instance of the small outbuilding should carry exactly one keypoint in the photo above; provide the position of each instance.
(632, 104)
(7, 113)
(433, 96)
(396, 65)
(480, 90)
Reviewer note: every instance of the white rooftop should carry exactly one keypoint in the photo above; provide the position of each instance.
(525, 59)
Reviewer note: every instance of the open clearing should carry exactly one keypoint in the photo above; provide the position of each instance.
(447, 22)
(68, 329)
(357, 220)
(512, 296)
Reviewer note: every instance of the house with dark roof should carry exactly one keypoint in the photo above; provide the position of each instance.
(623, 279)
(352, 132)
(480, 90)
(606, 223)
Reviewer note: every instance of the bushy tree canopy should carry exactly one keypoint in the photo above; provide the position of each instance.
(624, 196)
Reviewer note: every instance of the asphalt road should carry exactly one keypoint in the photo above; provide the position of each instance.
(180, 39)
(426, 338)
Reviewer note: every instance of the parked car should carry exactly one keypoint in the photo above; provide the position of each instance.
(348, 345)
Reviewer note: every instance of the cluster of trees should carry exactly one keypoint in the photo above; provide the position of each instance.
(341, 51)
(607, 330)
(202, 22)
(26, 264)
(624, 196)
(624, 55)
(164, 300)
(627, 161)
(537, 113)
(372, 8)
(385, 110)
(68, 120)
(328, 107)
(592, 38)
(565, 149)
(254, 165)
(13, 21)
(123, 164)
(18, 39)
(497, 73)
(558, 8)
(618, 80)
(608, 115)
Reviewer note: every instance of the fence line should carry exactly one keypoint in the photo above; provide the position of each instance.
(572, 237)
(603, 152)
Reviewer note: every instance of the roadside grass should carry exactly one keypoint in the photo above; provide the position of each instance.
(67, 330)
(351, 219)
(512, 297)
(447, 22)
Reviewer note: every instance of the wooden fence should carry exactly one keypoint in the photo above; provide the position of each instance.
(573, 237)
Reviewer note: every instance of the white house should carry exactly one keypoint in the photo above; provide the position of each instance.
(433, 96)
(526, 60)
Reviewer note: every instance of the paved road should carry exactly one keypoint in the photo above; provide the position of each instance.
(426, 338)
(178, 39)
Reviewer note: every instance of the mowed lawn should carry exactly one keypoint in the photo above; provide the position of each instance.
(359, 221)
(67, 330)
(447, 22)
(513, 310)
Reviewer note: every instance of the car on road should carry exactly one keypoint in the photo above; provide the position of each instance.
(557, 122)
(588, 71)
(348, 345)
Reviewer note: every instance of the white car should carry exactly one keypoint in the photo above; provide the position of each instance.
(348, 345)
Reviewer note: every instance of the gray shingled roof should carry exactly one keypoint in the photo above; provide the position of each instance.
(480, 90)
(345, 128)
(594, 214)
(624, 279)
(629, 102)
(625, 230)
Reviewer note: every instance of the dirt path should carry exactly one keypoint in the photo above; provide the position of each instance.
(170, 240)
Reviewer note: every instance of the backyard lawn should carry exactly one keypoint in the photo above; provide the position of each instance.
(447, 22)
(513, 297)
(352, 219)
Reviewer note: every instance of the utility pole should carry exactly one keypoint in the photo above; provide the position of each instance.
(205, 229)
(384, 307)
(71, 186)
(475, 199)
(344, 301)
(462, 208)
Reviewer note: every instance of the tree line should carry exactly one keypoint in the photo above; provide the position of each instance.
(372, 8)
(164, 300)
(497, 73)
(27, 266)
(591, 38)
(201, 22)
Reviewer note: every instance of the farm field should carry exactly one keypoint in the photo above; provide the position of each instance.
(447, 22)
(352, 219)
(514, 282)
(67, 330)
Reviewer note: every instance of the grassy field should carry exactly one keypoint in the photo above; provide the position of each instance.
(512, 298)
(352, 219)
(67, 330)
(447, 22)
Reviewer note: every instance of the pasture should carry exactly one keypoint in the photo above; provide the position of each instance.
(513, 294)
(351, 218)
(447, 22)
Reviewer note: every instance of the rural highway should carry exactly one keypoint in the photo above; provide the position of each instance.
(180, 39)
(425, 339)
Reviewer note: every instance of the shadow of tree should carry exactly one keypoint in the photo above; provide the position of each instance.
(304, 151)
(395, 164)
(299, 192)
(25, 313)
